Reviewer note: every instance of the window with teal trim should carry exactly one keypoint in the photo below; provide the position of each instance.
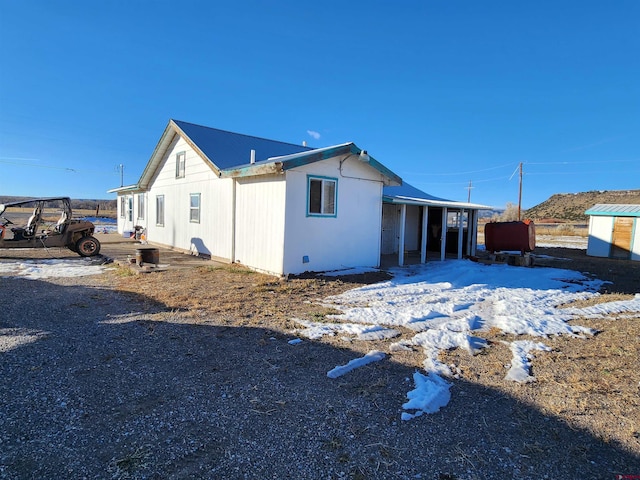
(321, 196)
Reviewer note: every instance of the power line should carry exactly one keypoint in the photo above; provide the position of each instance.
(69, 169)
(459, 173)
(39, 166)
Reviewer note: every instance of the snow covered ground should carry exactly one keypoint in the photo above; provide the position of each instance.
(442, 304)
(50, 268)
(565, 241)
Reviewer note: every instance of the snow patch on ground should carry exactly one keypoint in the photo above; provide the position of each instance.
(443, 303)
(520, 370)
(50, 268)
(372, 356)
(429, 396)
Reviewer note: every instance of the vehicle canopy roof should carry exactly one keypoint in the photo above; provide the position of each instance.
(3, 206)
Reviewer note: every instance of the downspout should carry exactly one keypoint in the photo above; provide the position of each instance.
(233, 220)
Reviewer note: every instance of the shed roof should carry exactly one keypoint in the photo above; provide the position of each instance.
(409, 195)
(615, 210)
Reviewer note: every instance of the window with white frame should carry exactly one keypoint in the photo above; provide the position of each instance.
(123, 206)
(180, 161)
(141, 206)
(322, 194)
(160, 210)
(194, 207)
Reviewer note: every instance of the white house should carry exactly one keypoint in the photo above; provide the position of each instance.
(614, 231)
(277, 207)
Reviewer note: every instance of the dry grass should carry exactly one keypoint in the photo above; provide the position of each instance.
(245, 297)
(591, 383)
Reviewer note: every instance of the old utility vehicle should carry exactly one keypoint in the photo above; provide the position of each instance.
(44, 223)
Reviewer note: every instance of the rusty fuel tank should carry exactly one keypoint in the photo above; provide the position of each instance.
(510, 236)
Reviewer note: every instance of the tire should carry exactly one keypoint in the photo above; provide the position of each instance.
(88, 246)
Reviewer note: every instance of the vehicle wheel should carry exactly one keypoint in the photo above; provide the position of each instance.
(88, 246)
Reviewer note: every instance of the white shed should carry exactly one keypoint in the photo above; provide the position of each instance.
(614, 231)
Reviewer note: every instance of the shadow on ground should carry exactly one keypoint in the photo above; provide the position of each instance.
(96, 383)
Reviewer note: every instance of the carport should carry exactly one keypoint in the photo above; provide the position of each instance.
(417, 225)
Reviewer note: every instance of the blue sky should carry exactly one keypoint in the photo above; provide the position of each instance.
(441, 92)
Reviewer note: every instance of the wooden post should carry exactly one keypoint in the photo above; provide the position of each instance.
(520, 195)
(425, 232)
(403, 221)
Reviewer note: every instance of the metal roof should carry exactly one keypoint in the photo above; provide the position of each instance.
(287, 162)
(615, 210)
(227, 149)
(409, 195)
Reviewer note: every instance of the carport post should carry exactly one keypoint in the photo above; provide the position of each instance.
(423, 246)
(403, 220)
(474, 238)
(460, 227)
(443, 236)
(470, 230)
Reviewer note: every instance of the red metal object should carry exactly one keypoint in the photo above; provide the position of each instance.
(510, 236)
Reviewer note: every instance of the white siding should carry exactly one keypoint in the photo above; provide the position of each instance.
(352, 237)
(260, 207)
(600, 229)
(212, 236)
(412, 232)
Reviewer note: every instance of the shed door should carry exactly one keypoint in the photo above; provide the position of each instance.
(621, 238)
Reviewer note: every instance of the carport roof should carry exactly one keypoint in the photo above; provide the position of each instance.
(409, 195)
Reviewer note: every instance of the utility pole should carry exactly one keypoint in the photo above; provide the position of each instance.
(121, 175)
(520, 195)
(469, 192)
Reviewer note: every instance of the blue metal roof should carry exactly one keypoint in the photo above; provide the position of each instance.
(410, 195)
(409, 191)
(228, 150)
(615, 210)
(287, 162)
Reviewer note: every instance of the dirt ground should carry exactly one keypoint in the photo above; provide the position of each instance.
(592, 384)
(225, 328)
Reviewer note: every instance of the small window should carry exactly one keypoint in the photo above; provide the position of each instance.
(194, 208)
(180, 160)
(322, 196)
(123, 207)
(160, 210)
(141, 206)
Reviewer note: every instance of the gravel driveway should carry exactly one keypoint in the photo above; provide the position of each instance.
(96, 383)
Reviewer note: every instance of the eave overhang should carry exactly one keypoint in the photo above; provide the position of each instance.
(126, 189)
(433, 203)
(278, 165)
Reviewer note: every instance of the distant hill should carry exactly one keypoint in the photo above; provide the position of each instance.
(570, 207)
(76, 203)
